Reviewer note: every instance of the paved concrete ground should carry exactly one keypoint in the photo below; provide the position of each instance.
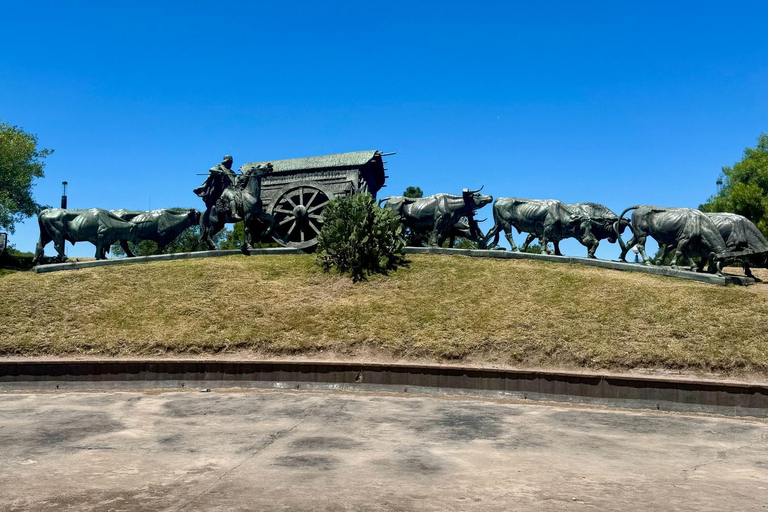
(289, 450)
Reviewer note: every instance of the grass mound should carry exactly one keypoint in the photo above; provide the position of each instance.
(514, 312)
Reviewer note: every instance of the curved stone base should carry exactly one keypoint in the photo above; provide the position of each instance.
(613, 265)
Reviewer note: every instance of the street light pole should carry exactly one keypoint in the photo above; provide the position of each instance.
(64, 195)
(64, 205)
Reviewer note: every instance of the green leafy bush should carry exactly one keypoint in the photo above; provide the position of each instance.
(359, 238)
(12, 258)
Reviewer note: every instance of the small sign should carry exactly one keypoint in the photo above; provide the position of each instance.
(3, 241)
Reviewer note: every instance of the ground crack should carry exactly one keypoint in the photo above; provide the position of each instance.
(266, 444)
(722, 455)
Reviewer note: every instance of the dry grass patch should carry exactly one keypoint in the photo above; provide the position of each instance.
(442, 307)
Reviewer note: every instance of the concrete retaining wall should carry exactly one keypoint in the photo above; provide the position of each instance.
(687, 395)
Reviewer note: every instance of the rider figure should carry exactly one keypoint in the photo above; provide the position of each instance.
(219, 179)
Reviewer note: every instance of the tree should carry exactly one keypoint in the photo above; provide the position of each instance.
(414, 192)
(745, 187)
(20, 163)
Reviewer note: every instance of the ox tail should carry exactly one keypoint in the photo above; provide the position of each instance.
(384, 199)
(617, 227)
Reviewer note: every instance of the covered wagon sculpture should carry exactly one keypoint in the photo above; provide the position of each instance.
(297, 190)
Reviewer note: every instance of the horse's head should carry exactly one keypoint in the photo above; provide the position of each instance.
(260, 170)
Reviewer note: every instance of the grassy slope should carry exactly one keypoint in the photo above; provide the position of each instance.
(510, 312)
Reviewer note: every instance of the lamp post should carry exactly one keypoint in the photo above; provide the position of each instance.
(64, 194)
(719, 184)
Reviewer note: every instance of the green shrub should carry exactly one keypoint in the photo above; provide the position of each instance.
(12, 258)
(359, 239)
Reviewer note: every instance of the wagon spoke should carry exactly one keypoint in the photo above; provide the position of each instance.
(301, 232)
(290, 230)
(315, 208)
(288, 198)
(285, 221)
(309, 203)
(280, 210)
(301, 196)
(312, 225)
(315, 216)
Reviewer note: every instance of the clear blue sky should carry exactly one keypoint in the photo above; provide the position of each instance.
(614, 102)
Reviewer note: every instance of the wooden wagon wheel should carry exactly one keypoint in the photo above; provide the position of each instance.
(297, 209)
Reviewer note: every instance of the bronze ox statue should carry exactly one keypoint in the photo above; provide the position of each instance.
(440, 214)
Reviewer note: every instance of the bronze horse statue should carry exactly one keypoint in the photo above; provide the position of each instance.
(239, 201)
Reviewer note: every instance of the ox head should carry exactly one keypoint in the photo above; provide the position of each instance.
(475, 200)
(194, 216)
(581, 225)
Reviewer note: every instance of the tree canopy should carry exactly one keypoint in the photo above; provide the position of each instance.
(20, 163)
(414, 192)
(745, 187)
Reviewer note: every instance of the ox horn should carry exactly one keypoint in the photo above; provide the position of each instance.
(472, 192)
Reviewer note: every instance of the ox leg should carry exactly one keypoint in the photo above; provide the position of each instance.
(58, 243)
(126, 248)
(439, 234)
(556, 243)
(631, 243)
(544, 240)
(679, 252)
(40, 247)
(747, 270)
(715, 265)
(639, 241)
(494, 233)
(592, 249)
(512, 246)
(432, 242)
(530, 238)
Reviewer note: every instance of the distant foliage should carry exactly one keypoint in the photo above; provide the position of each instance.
(188, 241)
(234, 238)
(465, 243)
(745, 187)
(414, 192)
(359, 239)
(15, 259)
(534, 249)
